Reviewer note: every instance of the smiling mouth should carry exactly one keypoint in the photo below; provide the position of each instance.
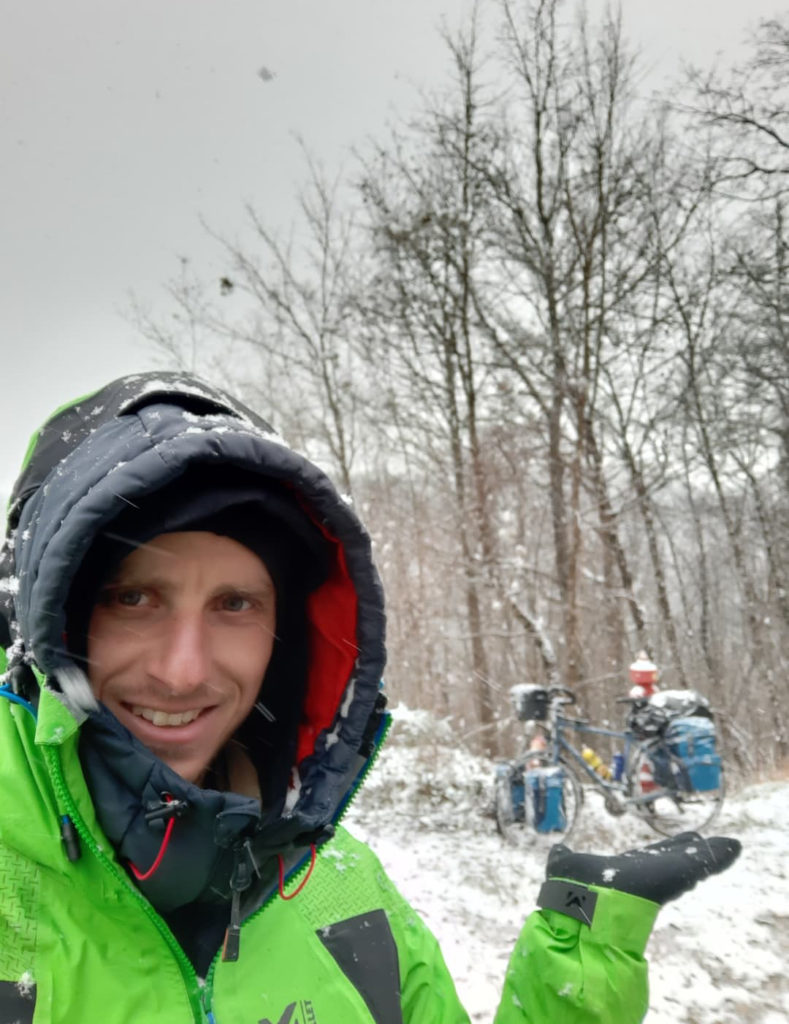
(164, 718)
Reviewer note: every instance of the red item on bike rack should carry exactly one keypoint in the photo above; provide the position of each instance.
(646, 780)
(644, 675)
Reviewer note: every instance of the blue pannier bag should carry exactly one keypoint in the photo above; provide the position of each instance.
(692, 740)
(545, 793)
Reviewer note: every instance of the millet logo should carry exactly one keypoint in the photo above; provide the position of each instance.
(577, 901)
(300, 1012)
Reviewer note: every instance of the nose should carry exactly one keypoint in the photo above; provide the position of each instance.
(179, 659)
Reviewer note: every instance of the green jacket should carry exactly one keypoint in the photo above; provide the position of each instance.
(79, 942)
(332, 943)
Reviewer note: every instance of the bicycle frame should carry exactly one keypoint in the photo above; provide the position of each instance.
(559, 743)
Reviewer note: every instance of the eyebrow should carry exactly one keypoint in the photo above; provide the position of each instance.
(263, 588)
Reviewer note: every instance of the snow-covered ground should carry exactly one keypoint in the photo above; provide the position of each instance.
(717, 956)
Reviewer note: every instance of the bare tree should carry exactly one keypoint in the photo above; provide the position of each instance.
(281, 323)
(577, 251)
(427, 216)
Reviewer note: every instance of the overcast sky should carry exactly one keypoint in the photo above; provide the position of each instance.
(122, 122)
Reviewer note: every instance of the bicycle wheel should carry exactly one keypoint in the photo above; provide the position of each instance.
(537, 802)
(661, 791)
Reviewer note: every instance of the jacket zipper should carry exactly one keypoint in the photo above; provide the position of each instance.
(206, 995)
(68, 806)
(301, 867)
(368, 766)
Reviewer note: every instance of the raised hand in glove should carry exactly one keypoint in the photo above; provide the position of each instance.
(659, 872)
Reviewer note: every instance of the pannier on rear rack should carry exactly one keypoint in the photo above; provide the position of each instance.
(684, 720)
(530, 702)
(692, 740)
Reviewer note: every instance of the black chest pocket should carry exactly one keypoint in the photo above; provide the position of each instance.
(365, 950)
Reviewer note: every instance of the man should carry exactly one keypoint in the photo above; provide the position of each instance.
(192, 697)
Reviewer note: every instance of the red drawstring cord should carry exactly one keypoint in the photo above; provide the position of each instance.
(142, 877)
(304, 880)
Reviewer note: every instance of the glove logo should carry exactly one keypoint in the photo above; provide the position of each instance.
(569, 898)
(300, 1012)
(574, 905)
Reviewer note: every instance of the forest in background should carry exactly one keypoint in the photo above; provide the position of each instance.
(538, 334)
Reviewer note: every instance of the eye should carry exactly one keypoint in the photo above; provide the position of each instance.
(235, 603)
(125, 597)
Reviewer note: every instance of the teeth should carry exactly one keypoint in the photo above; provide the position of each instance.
(163, 718)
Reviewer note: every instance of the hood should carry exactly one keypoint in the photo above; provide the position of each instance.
(98, 457)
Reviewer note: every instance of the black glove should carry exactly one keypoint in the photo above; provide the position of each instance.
(660, 872)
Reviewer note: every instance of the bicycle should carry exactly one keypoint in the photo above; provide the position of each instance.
(670, 782)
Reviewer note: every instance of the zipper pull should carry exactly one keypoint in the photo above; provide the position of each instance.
(243, 865)
(167, 807)
(69, 838)
(232, 944)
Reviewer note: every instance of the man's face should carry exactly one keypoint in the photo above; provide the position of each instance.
(178, 644)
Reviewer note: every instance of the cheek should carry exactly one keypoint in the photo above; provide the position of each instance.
(109, 649)
(250, 657)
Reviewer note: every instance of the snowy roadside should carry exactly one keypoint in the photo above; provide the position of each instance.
(717, 956)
